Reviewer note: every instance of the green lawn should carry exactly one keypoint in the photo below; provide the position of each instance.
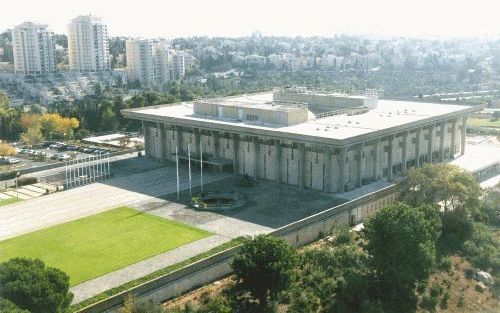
(9, 201)
(483, 122)
(99, 244)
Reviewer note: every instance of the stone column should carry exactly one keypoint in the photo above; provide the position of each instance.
(147, 139)
(359, 161)
(453, 149)
(404, 153)
(236, 154)
(389, 157)
(328, 171)
(215, 136)
(463, 134)
(257, 156)
(161, 147)
(178, 139)
(429, 143)
(441, 141)
(376, 159)
(417, 146)
(342, 168)
(302, 162)
(277, 173)
(197, 140)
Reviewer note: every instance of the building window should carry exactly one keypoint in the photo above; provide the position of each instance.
(252, 117)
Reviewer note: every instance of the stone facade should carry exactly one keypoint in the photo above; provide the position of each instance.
(329, 168)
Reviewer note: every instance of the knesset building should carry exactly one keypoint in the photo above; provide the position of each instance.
(331, 142)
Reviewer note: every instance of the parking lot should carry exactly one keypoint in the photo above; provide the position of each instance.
(49, 152)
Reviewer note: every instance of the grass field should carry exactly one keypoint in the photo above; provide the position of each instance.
(483, 122)
(99, 244)
(8, 201)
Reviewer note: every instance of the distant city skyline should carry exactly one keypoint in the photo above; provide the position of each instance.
(226, 18)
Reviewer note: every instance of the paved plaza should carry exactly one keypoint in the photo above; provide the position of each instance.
(42, 212)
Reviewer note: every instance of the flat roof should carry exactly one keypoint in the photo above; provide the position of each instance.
(389, 116)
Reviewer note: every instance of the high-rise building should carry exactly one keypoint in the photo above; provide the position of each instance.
(140, 64)
(161, 60)
(88, 45)
(178, 65)
(33, 47)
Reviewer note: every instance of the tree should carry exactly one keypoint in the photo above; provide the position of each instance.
(9, 307)
(8, 116)
(32, 136)
(108, 119)
(455, 192)
(49, 123)
(489, 211)
(402, 243)
(6, 149)
(264, 266)
(339, 276)
(441, 184)
(34, 287)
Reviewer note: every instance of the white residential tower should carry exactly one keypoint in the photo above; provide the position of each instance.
(88, 45)
(33, 47)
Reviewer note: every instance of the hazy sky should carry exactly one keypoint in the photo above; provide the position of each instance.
(170, 18)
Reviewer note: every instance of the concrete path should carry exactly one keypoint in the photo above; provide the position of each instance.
(61, 207)
(119, 277)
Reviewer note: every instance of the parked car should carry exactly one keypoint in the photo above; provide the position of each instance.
(64, 157)
(72, 148)
(56, 145)
(13, 161)
(5, 160)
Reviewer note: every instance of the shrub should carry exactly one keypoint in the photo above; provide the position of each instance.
(469, 273)
(482, 250)
(461, 301)
(218, 304)
(444, 301)
(429, 302)
(304, 301)
(343, 236)
(445, 264)
(28, 180)
(133, 305)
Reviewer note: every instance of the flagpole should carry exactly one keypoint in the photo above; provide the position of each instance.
(201, 168)
(189, 167)
(177, 168)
